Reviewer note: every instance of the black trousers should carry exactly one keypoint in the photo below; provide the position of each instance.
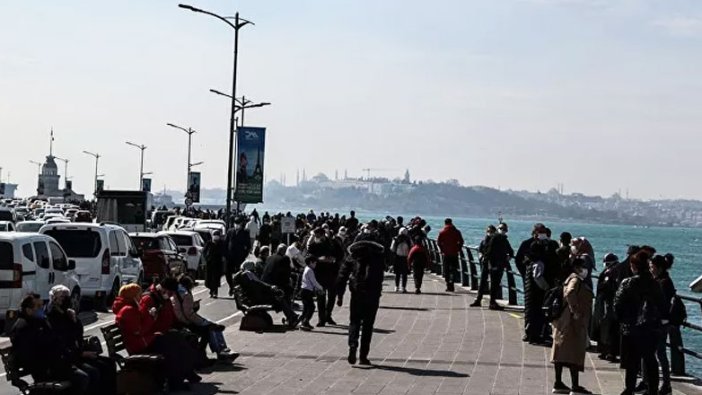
(400, 268)
(325, 304)
(102, 372)
(363, 312)
(638, 347)
(307, 305)
(534, 319)
(495, 276)
(418, 274)
(451, 269)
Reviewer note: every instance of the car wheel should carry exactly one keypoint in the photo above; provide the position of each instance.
(75, 300)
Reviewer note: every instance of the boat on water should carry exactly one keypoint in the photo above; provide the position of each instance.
(696, 286)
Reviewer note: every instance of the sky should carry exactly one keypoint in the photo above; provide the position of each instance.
(598, 95)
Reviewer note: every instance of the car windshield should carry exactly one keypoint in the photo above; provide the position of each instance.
(29, 227)
(78, 243)
(146, 243)
(182, 240)
(6, 256)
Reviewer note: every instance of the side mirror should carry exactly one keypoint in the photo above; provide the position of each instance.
(71, 264)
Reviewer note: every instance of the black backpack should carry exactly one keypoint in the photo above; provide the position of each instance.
(678, 311)
(554, 304)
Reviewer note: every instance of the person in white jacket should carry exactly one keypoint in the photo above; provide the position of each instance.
(310, 287)
(253, 228)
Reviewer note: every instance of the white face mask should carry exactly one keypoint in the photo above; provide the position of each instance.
(573, 250)
(542, 236)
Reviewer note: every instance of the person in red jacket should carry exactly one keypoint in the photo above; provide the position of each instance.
(158, 298)
(418, 260)
(138, 324)
(450, 242)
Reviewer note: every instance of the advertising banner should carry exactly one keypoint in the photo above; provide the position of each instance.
(146, 185)
(100, 185)
(251, 144)
(194, 187)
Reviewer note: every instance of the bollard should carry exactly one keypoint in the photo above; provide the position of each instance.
(677, 357)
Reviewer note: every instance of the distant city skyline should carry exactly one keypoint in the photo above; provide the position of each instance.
(598, 96)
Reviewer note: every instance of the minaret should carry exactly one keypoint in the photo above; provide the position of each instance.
(297, 178)
(51, 143)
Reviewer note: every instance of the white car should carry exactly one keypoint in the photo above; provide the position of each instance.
(105, 258)
(190, 244)
(31, 262)
(58, 220)
(7, 226)
(29, 226)
(169, 222)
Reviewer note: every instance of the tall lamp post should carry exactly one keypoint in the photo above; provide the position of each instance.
(141, 147)
(238, 24)
(242, 104)
(65, 171)
(97, 159)
(190, 133)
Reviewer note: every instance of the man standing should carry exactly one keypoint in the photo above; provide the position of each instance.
(499, 252)
(450, 242)
(365, 270)
(252, 227)
(238, 249)
(322, 248)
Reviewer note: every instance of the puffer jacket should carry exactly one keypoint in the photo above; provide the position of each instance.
(135, 324)
(364, 270)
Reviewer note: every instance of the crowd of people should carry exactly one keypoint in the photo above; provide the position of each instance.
(628, 313)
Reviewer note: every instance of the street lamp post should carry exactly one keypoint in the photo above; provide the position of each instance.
(65, 164)
(38, 165)
(242, 104)
(141, 147)
(238, 24)
(190, 133)
(97, 159)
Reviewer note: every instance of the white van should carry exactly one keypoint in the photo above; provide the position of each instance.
(105, 258)
(31, 262)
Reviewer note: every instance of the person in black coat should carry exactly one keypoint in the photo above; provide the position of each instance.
(214, 263)
(101, 370)
(607, 335)
(364, 271)
(484, 265)
(639, 307)
(238, 246)
(40, 351)
(278, 271)
(540, 251)
(326, 251)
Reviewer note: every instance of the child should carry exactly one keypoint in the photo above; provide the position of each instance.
(310, 286)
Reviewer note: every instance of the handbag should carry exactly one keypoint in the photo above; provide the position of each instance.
(92, 344)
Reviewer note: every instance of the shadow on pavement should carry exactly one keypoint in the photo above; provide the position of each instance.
(207, 389)
(223, 367)
(404, 308)
(375, 330)
(419, 372)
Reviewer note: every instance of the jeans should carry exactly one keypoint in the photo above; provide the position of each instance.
(325, 304)
(451, 269)
(216, 341)
(363, 312)
(307, 305)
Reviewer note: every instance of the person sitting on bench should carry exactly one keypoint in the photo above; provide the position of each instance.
(256, 293)
(184, 308)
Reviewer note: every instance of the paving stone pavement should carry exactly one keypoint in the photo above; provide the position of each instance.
(431, 343)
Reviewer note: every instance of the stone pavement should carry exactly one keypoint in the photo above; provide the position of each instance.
(431, 343)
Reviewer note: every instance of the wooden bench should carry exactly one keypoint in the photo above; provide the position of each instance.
(15, 374)
(115, 345)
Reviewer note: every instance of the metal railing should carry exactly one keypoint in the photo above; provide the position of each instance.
(470, 271)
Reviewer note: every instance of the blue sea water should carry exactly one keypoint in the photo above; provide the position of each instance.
(684, 243)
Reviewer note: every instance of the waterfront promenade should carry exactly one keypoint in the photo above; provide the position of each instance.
(431, 343)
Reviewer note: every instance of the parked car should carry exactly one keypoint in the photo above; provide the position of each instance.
(58, 220)
(105, 258)
(33, 263)
(159, 255)
(29, 226)
(7, 226)
(70, 213)
(83, 216)
(189, 243)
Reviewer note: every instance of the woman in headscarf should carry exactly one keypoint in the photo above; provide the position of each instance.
(580, 247)
(214, 263)
(570, 330)
(68, 328)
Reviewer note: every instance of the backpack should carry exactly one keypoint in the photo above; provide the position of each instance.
(678, 311)
(554, 303)
(538, 273)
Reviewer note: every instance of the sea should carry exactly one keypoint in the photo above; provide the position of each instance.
(684, 243)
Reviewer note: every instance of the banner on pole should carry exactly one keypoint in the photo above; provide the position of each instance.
(100, 185)
(146, 185)
(194, 187)
(251, 146)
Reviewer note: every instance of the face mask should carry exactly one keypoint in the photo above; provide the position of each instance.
(40, 314)
(582, 273)
(542, 236)
(573, 250)
(502, 231)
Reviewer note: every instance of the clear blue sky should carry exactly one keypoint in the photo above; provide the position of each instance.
(600, 95)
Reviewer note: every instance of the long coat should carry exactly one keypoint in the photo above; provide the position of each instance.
(570, 335)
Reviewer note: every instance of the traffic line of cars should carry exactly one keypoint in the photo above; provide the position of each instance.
(92, 260)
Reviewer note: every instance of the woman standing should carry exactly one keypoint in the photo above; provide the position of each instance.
(570, 330)
(659, 270)
(401, 247)
(214, 261)
(638, 306)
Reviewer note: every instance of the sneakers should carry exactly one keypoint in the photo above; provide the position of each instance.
(560, 388)
(352, 356)
(476, 304)
(397, 289)
(578, 390)
(227, 355)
